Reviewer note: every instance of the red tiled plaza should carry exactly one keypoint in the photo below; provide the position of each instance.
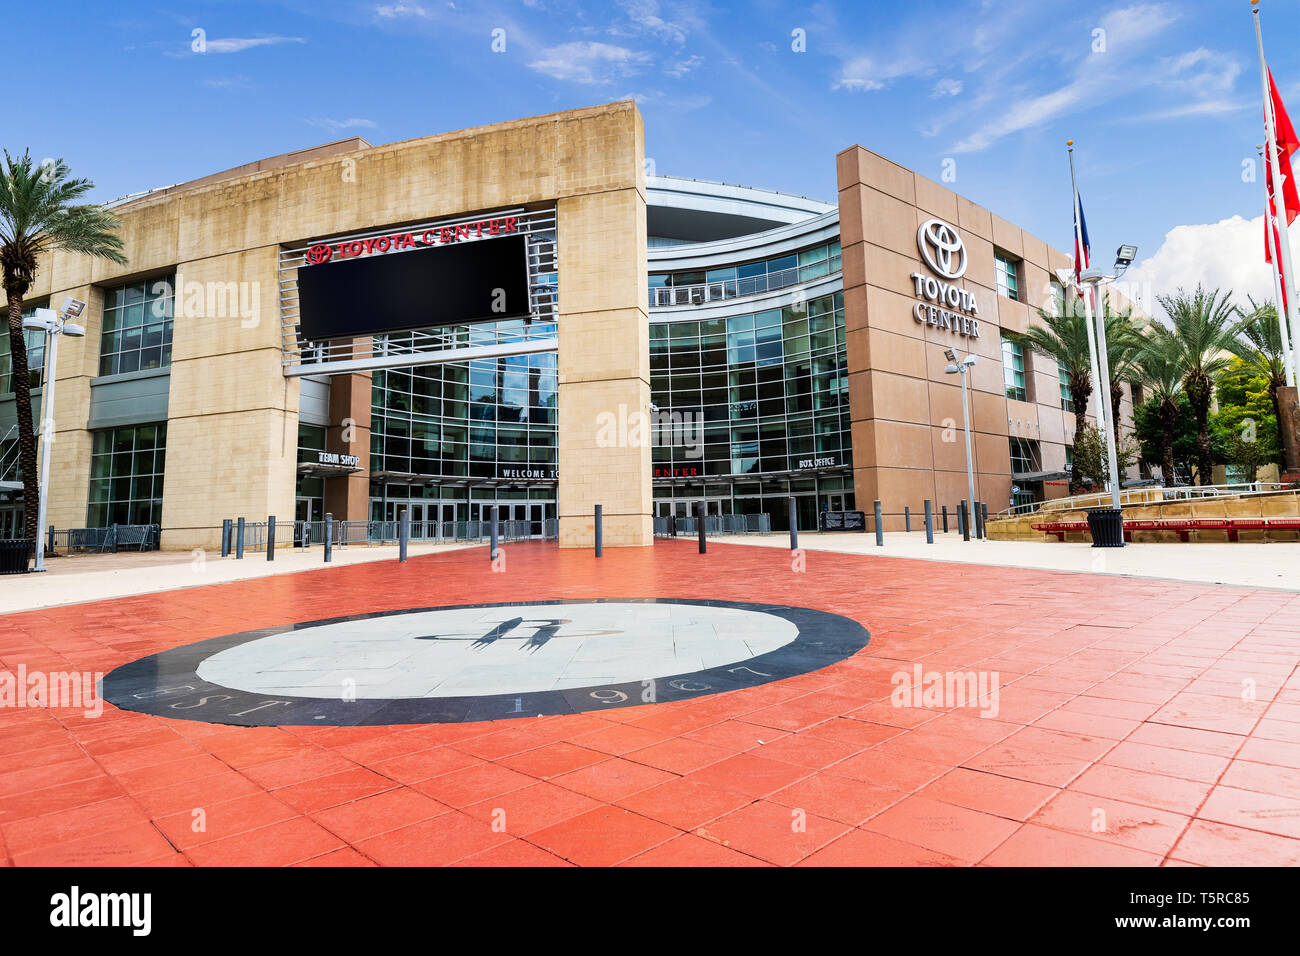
(1140, 722)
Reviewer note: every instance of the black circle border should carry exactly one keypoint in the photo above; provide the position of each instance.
(167, 684)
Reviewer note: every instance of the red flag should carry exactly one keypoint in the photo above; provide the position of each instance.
(1287, 141)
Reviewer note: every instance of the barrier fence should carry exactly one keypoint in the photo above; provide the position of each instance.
(714, 525)
(114, 538)
(306, 534)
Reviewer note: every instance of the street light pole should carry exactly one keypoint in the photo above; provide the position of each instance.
(961, 368)
(1103, 358)
(55, 325)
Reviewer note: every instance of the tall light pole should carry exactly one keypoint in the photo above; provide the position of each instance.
(961, 368)
(53, 324)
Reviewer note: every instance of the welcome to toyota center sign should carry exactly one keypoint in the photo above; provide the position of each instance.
(942, 303)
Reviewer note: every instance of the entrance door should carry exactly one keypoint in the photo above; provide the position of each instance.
(302, 517)
(535, 521)
(417, 520)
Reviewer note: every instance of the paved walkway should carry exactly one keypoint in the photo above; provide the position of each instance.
(96, 577)
(1138, 722)
(1246, 564)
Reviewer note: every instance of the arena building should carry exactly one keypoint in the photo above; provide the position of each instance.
(518, 316)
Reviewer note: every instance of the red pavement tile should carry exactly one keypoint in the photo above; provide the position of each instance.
(602, 837)
(959, 832)
(691, 850)
(1042, 846)
(770, 831)
(1217, 844)
(279, 844)
(1143, 720)
(864, 848)
(443, 839)
(377, 814)
(990, 793)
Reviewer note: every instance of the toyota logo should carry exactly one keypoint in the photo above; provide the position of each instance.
(942, 248)
(319, 253)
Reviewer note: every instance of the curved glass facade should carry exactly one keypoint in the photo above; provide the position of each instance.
(759, 410)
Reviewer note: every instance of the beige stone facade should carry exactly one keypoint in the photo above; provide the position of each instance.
(908, 441)
(233, 413)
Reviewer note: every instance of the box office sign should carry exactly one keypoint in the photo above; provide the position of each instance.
(940, 301)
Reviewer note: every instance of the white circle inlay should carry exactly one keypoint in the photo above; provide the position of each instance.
(498, 650)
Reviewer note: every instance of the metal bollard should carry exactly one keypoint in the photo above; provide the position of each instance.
(600, 534)
(225, 537)
(984, 519)
(329, 538)
(929, 522)
(699, 526)
(963, 521)
(880, 528)
(672, 525)
(270, 537)
(403, 533)
(945, 519)
(50, 545)
(979, 523)
(239, 540)
(794, 526)
(907, 517)
(492, 549)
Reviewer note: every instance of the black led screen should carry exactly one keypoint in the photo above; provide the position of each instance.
(481, 281)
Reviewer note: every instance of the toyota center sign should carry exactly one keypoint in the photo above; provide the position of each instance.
(942, 303)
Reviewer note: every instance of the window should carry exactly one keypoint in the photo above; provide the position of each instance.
(1024, 456)
(1067, 403)
(35, 340)
(126, 476)
(1058, 298)
(1005, 270)
(1013, 370)
(137, 329)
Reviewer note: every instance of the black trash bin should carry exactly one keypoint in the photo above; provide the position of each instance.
(14, 554)
(1106, 525)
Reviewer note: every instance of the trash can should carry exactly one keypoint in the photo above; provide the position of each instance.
(14, 554)
(1106, 525)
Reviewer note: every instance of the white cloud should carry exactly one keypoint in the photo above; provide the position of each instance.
(239, 44)
(228, 83)
(397, 11)
(947, 87)
(680, 68)
(1227, 255)
(589, 62)
(334, 125)
(644, 17)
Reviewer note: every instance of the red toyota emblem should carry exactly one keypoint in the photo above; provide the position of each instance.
(319, 253)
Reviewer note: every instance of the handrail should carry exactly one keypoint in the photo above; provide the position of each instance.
(1151, 494)
(669, 295)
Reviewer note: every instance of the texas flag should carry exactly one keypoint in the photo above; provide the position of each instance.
(1081, 229)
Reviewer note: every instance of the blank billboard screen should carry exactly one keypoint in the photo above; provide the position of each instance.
(482, 281)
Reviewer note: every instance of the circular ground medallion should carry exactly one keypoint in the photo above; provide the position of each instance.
(483, 662)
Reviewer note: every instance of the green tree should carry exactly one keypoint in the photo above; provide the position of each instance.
(1260, 348)
(1124, 345)
(1165, 430)
(1092, 460)
(1243, 431)
(39, 213)
(1202, 331)
(1065, 339)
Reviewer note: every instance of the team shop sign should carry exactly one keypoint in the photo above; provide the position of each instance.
(941, 302)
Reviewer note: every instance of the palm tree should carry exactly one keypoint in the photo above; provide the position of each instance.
(1065, 339)
(38, 214)
(1159, 372)
(1261, 348)
(1124, 343)
(1200, 341)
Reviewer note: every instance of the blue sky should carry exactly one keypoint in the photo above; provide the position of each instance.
(1162, 98)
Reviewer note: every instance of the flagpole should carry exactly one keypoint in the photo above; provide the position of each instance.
(1279, 200)
(1103, 414)
(1274, 265)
